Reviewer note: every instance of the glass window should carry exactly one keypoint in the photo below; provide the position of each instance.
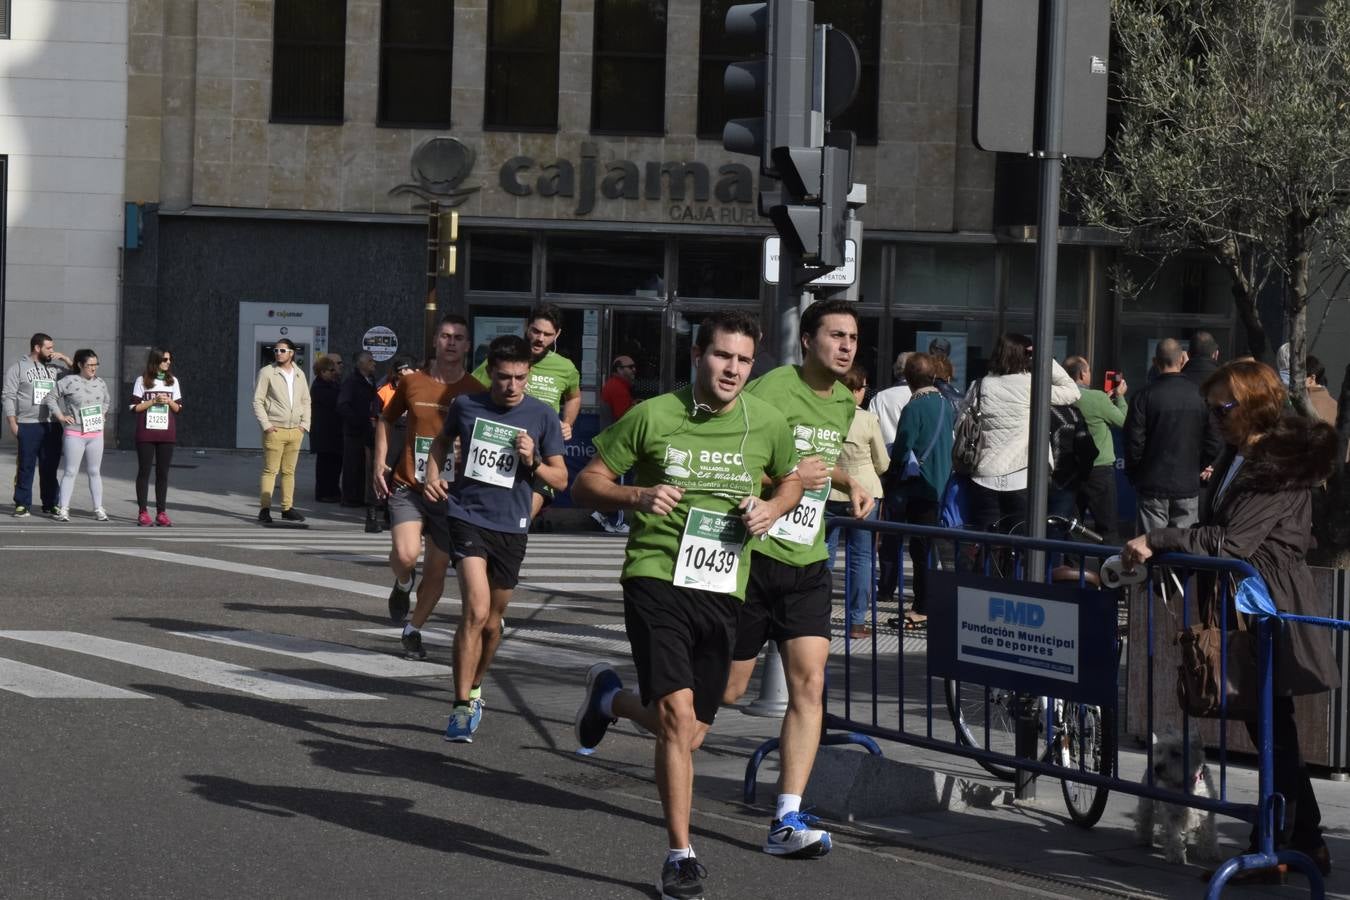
(1187, 286)
(637, 334)
(871, 289)
(487, 322)
(619, 267)
(309, 44)
(860, 20)
(628, 88)
(720, 269)
(501, 262)
(972, 341)
(416, 42)
(944, 276)
(1070, 277)
(522, 64)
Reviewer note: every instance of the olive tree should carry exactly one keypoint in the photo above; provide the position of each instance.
(1232, 136)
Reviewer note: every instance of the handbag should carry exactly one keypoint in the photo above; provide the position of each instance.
(1202, 681)
(914, 464)
(969, 439)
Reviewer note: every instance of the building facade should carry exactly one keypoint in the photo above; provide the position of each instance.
(280, 157)
(63, 106)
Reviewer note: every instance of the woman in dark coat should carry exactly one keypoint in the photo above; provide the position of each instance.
(325, 433)
(1257, 507)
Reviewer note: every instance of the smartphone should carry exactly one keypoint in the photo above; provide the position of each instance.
(1112, 381)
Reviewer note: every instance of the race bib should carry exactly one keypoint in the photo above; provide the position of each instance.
(801, 524)
(492, 454)
(41, 388)
(157, 417)
(91, 419)
(710, 551)
(421, 453)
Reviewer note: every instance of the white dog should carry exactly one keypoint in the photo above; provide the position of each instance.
(1182, 826)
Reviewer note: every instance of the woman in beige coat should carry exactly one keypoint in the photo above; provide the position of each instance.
(864, 457)
(281, 406)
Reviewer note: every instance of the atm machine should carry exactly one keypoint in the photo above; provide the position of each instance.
(261, 325)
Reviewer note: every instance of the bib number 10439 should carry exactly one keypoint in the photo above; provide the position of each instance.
(492, 454)
(710, 551)
(801, 524)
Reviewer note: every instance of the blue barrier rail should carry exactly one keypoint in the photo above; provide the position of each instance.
(988, 559)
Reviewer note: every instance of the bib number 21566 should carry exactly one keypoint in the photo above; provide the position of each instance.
(710, 551)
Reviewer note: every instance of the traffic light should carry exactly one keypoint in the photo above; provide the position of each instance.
(810, 212)
(777, 85)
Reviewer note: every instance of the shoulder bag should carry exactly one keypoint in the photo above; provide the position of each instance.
(968, 440)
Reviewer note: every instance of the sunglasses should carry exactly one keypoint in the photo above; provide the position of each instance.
(281, 350)
(1222, 410)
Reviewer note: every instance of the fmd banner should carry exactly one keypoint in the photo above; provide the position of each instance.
(1017, 633)
(1056, 640)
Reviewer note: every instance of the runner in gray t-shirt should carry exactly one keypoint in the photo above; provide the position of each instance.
(506, 441)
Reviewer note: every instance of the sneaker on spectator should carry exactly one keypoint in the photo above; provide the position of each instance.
(162, 519)
(62, 514)
(100, 514)
(143, 519)
(21, 512)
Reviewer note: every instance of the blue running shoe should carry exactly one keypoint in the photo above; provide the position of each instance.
(463, 723)
(795, 836)
(476, 704)
(591, 723)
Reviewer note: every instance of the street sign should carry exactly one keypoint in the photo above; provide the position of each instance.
(380, 342)
(843, 276)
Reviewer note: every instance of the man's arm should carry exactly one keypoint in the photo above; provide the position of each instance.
(760, 514)
(860, 502)
(378, 467)
(260, 401)
(436, 488)
(597, 488)
(571, 408)
(1136, 434)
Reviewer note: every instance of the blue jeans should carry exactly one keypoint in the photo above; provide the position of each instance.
(39, 448)
(861, 562)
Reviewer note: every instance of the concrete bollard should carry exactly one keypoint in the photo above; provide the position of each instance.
(773, 690)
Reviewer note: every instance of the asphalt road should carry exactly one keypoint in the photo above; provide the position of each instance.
(220, 712)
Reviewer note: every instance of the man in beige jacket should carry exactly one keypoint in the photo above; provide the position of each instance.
(281, 405)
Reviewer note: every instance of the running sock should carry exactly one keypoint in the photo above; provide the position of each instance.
(787, 803)
(607, 702)
(476, 692)
(677, 855)
(406, 585)
(409, 628)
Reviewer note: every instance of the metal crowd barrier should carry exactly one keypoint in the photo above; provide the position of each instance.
(875, 702)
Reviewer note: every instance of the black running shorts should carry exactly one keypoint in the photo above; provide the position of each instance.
(782, 602)
(503, 550)
(680, 639)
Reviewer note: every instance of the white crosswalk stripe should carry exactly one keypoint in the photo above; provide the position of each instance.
(35, 681)
(186, 665)
(338, 656)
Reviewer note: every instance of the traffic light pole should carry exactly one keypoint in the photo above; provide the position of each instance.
(1043, 342)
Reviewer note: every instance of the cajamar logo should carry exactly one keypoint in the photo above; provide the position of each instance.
(439, 166)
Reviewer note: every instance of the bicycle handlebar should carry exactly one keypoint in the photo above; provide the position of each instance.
(1075, 527)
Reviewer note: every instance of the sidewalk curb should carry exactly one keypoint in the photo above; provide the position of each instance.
(848, 784)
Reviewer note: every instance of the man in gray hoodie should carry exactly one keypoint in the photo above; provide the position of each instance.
(37, 431)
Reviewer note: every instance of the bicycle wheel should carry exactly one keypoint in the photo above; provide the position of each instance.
(1086, 743)
(966, 705)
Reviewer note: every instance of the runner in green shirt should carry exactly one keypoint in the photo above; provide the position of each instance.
(788, 599)
(699, 457)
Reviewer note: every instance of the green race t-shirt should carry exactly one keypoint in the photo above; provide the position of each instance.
(551, 379)
(819, 426)
(717, 459)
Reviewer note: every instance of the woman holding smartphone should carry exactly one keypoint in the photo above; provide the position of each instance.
(156, 399)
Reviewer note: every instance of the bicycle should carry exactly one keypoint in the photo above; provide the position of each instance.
(1081, 736)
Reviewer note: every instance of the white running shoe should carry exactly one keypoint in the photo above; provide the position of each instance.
(62, 514)
(100, 514)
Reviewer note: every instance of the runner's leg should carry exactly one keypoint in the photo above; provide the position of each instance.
(476, 605)
(492, 632)
(804, 661)
(432, 585)
(739, 679)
